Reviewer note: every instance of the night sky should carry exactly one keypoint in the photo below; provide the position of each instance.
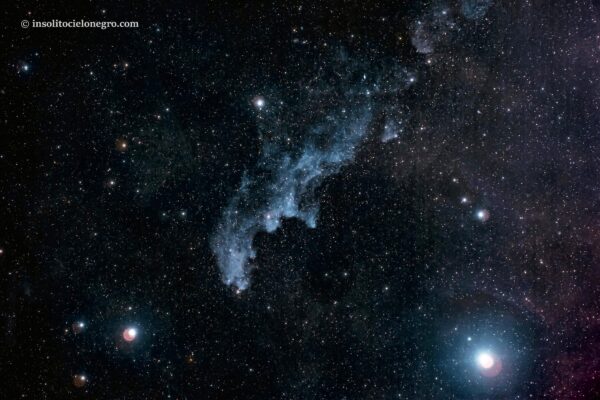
(301, 200)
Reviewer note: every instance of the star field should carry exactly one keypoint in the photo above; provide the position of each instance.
(301, 200)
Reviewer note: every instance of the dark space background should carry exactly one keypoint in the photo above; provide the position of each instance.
(474, 226)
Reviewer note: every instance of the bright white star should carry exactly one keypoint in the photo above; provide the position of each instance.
(130, 334)
(485, 360)
(259, 102)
